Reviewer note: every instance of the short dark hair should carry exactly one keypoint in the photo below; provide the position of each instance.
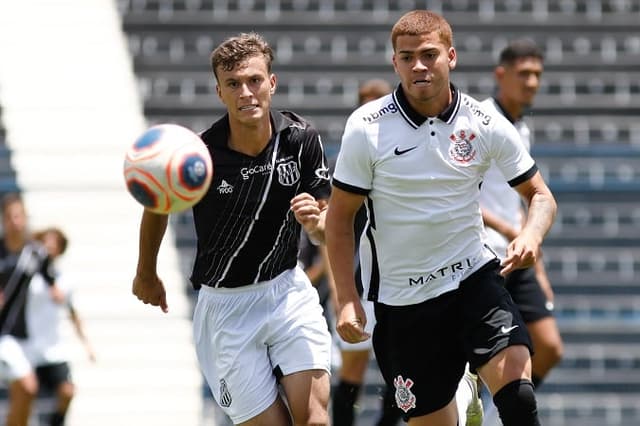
(518, 49)
(237, 49)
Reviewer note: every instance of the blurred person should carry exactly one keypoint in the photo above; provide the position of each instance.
(257, 322)
(48, 351)
(416, 158)
(21, 258)
(517, 76)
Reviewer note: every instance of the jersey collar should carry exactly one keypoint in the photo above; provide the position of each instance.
(504, 111)
(414, 118)
(219, 131)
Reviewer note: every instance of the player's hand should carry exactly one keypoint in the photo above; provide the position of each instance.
(306, 210)
(150, 290)
(522, 252)
(351, 322)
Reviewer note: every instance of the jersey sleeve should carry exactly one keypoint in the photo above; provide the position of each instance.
(315, 169)
(353, 172)
(510, 154)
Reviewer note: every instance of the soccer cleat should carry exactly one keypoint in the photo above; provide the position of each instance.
(474, 409)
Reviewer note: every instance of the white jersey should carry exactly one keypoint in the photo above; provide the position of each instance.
(422, 178)
(496, 195)
(45, 320)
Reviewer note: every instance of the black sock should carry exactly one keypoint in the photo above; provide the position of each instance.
(391, 414)
(516, 404)
(57, 419)
(345, 396)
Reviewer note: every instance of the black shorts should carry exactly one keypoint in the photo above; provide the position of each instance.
(422, 349)
(50, 376)
(526, 292)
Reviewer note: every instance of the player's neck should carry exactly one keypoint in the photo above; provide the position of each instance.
(250, 139)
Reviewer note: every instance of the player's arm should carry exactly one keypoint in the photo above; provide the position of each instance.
(493, 221)
(524, 250)
(341, 214)
(147, 286)
(79, 328)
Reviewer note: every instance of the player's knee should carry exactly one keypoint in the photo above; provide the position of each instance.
(66, 391)
(516, 403)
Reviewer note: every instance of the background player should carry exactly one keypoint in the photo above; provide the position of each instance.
(49, 353)
(517, 76)
(257, 322)
(20, 258)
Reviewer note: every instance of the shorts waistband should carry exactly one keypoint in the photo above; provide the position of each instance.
(249, 288)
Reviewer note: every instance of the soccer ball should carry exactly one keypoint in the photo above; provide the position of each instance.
(168, 169)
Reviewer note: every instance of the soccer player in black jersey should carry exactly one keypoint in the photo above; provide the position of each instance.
(20, 259)
(258, 322)
(416, 159)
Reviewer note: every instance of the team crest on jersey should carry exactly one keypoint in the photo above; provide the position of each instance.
(288, 173)
(461, 149)
(225, 396)
(405, 399)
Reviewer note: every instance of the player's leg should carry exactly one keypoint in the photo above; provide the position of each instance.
(347, 391)
(499, 347)
(58, 378)
(526, 292)
(300, 348)
(230, 330)
(22, 392)
(418, 349)
(308, 396)
(23, 384)
(548, 347)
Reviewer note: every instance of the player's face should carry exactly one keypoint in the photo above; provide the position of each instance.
(52, 244)
(520, 82)
(423, 64)
(15, 219)
(246, 90)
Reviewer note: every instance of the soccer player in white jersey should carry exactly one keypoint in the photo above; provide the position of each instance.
(258, 322)
(416, 158)
(517, 76)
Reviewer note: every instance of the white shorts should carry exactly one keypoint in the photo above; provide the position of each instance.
(15, 360)
(246, 336)
(360, 346)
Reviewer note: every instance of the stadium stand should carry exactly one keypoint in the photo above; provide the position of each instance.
(67, 131)
(585, 127)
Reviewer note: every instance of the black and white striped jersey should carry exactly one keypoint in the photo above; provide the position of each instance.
(16, 271)
(245, 230)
